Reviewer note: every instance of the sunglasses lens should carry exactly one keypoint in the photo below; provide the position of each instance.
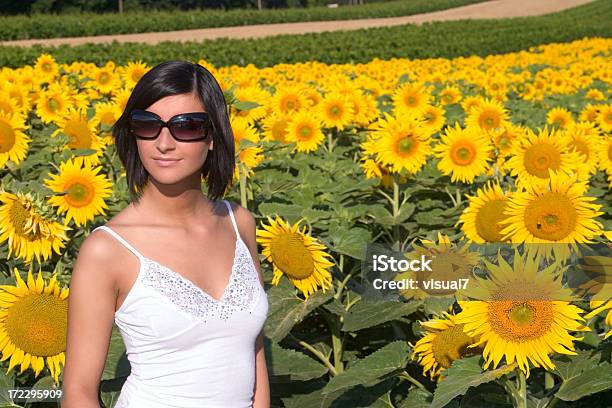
(144, 126)
(190, 129)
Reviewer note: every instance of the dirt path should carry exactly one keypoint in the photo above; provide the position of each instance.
(489, 9)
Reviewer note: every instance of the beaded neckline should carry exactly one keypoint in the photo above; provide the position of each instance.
(190, 283)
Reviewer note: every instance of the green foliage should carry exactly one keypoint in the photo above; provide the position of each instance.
(143, 19)
(442, 39)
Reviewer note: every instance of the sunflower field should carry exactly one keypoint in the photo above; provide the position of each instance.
(457, 158)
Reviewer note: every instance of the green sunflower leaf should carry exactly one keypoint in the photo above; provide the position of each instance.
(461, 375)
(372, 369)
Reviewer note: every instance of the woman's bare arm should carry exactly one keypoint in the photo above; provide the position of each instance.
(261, 396)
(91, 308)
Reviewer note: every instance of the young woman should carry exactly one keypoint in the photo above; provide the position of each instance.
(176, 270)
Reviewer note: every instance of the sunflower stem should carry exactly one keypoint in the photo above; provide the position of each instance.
(395, 211)
(317, 353)
(414, 382)
(243, 187)
(521, 397)
(330, 142)
(334, 326)
(549, 381)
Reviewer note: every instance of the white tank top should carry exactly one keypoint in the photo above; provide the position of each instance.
(187, 349)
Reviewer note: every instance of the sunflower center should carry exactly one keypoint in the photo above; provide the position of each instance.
(522, 314)
(406, 144)
(450, 344)
(551, 216)
(335, 111)
(489, 120)
(519, 320)
(20, 216)
(463, 153)
(305, 133)
(610, 152)
(430, 117)
(540, 157)
(37, 323)
(487, 219)
(79, 194)
(46, 67)
(79, 135)
(104, 78)
(7, 137)
(291, 256)
(290, 104)
(411, 101)
(53, 105)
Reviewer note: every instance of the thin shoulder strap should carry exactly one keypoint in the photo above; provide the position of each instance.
(120, 239)
(231, 213)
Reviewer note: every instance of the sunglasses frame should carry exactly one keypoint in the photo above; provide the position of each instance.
(168, 124)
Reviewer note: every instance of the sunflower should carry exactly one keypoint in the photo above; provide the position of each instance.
(604, 155)
(584, 138)
(464, 153)
(557, 214)
(46, 67)
(81, 134)
(444, 342)
(402, 144)
(33, 322)
(29, 227)
(252, 94)
(275, 127)
(595, 94)
(522, 313)
(599, 306)
(535, 155)
(561, 118)
(335, 110)
(133, 72)
(489, 116)
(449, 95)
(52, 104)
(84, 192)
(295, 254)
(304, 130)
(471, 102)
(364, 108)
(250, 157)
(433, 117)
(604, 119)
(449, 262)
(589, 113)
(410, 98)
(13, 141)
(242, 130)
(104, 80)
(505, 139)
(289, 99)
(481, 219)
(8, 105)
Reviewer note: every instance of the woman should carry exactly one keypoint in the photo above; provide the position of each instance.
(176, 270)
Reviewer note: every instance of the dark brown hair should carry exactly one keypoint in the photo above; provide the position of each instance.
(173, 78)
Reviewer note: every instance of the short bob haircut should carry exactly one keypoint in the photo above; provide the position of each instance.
(173, 78)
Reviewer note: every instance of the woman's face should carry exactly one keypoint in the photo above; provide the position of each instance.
(184, 158)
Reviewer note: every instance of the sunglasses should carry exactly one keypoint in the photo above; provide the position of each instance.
(184, 127)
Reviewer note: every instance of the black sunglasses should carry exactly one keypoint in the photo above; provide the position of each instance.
(184, 127)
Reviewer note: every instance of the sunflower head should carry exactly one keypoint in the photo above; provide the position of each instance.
(295, 254)
(33, 324)
(444, 342)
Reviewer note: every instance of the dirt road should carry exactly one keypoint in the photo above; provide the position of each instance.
(489, 9)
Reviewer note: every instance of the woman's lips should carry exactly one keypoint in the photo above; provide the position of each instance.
(166, 162)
